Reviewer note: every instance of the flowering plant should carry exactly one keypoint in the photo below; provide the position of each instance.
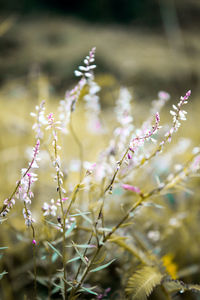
(115, 203)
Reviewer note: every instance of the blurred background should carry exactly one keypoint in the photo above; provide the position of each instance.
(150, 45)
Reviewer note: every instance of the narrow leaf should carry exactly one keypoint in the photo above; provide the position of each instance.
(80, 214)
(51, 223)
(73, 259)
(2, 274)
(69, 230)
(2, 248)
(54, 249)
(54, 257)
(84, 216)
(55, 290)
(82, 246)
(105, 229)
(88, 290)
(79, 254)
(103, 266)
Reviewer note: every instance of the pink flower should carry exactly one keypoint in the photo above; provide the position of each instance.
(34, 242)
(131, 188)
(163, 95)
(129, 156)
(187, 95)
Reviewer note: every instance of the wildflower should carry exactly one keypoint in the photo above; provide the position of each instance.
(68, 223)
(8, 204)
(28, 217)
(138, 141)
(179, 114)
(40, 120)
(52, 123)
(67, 106)
(124, 118)
(34, 242)
(163, 96)
(131, 188)
(85, 71)
(93, 107)
(49, 209)
(23, 188)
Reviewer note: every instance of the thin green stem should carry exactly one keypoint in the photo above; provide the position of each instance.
(84, 254)
(34, 252)
(63, 217)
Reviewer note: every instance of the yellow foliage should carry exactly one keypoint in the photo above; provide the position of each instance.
(170, 266)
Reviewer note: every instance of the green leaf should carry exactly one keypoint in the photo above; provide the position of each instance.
(103, 266)
(105, 229)
(57, 288)
(73, 259)
(54, 257)
(141, 283)
(43, 257)
(2, 274)
(79, 253)
(82, 246)
(69, 230)
(88, 290)
(43, 280)
(51, 223)
(84, 216)
(80, 214)
(54, 249)
(2, 248)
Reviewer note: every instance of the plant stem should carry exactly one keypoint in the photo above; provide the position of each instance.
(80, 146)
(34, 263)
(63, 219)
(142, 197)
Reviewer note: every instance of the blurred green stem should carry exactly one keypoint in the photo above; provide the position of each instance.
(80, 146)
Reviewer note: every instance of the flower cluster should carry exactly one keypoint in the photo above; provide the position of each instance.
(23, 188)
(28, 217)
(8, 205)
(86, 71)
(24, 192)
(138, 141)
(178, 113)
(93, 107)
(40, 120)
(49, 209)
(124, 118)
(67, 106)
